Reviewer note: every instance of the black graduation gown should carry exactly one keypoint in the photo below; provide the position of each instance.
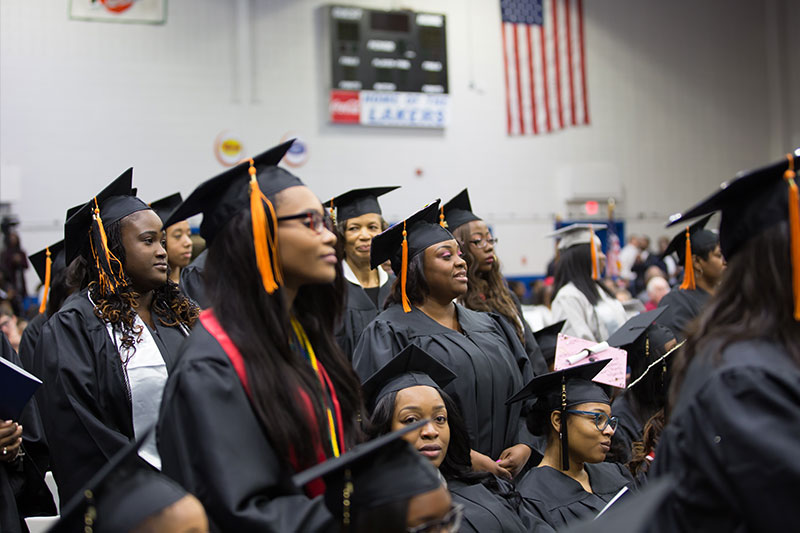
(23, 491)
(732, 443)
(487, 511)
(488, 359)
(360, 311)
(85, 400)
(192, 283)
(535, 355)
(684, 305)
(30, 337)
(212, 443)
(630, 426)
(561, 501)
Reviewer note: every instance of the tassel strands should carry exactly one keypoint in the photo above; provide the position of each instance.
(593, 247)
(442, 221)
(105, 260)
(794, 232)
(562, 433)
(264, 241)
(404, 271)
(688, 268)
(47, 273)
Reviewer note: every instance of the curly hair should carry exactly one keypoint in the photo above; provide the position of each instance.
(119, 308)
(486, 292)
(639, 463)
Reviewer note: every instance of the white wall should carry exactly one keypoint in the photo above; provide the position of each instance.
(679, 100)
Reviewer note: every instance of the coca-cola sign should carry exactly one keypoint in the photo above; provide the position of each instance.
(345, 107)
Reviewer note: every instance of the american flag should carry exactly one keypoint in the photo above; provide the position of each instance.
(613, 266)
(545, 65)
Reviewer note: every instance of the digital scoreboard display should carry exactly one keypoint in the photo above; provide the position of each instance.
(390, 66)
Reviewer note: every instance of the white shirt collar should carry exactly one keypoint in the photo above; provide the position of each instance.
(350, 276)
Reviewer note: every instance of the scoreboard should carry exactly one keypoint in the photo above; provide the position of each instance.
(388, 68)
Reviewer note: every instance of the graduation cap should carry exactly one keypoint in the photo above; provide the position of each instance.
(575, 234)
(458, 211)
(563, 389)
(46, 263)
(411, 367)
(383, 470)
(405, 240)
(85, 234)
(357, 202)
(252, 183)
(755, 201)
(631, 330)
(165, 206)
(547, 338)
(120, 496)
(695, 237)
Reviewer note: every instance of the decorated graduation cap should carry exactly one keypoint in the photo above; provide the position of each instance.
(85, 229)
(458, 211)
(755, 201)
(581, 233)
(407, 239)
(381, 471)
(120, 496)
(252, 184)
(357, 202)
(547, 338)
(561, 390)
(685, 243)
(165, 206)
(411, 367)
(46, 263)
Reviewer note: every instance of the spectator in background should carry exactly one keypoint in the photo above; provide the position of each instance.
(643, 262)
(13, 262)
(657, 288)
(669, 261)
(538, 313)
(627, 257)
(9, 325)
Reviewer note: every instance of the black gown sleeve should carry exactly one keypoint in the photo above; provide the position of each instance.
(192, 283)
(535, 355)
(377, 345)
(211, 443)
(30, 337)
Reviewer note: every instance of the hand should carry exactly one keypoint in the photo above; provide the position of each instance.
(514, 458)
(484, 463)
(10, 440)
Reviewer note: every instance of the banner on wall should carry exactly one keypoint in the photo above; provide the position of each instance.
(377, 108)
(130, 11)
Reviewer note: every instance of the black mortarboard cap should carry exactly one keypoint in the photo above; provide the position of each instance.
(458, 211)
(411, 367)
(357, 202)
(699, 238)
(166, 206)
(228, 193)
(631, 330)
(547, 338)
(39, 260)
(120, 496)
(381, 471)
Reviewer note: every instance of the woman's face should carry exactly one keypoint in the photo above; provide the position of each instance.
(307, 257)
(479, 234)
(428, 507)
(713, 267)
(419, 403)
(145, 252)
(358, 234)
(445, 270)
(587, 444)
(179, 245)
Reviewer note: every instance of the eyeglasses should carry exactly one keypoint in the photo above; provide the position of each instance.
(483, 242)
(450, 523)
(601, 420)
(313, 220)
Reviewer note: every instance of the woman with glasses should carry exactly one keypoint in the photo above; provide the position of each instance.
(261, 391)
(481, 348)
(486, 288)
(571, 482)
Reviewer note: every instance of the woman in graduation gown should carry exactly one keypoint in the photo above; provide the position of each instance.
(261, 390)
(358, 220)
(408, 389)
(481, 348)
(591, 312)
(105, 355)
(733, 432)
(486, 288)
(571, 483)
(178, 236)
(698, 249)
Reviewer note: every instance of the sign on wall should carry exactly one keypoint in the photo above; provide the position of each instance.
(130, 11)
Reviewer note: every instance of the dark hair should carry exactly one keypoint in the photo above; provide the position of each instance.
(63, 283)
(390, 517)
(119, 308)
(702, 250)
(754, 300)
(259, 325)
(639, 464)
(486, 292)
(457, 464)
(416, 285)
(575, 264)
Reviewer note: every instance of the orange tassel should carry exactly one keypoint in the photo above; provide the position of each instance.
(263, 241)
(48, 265)
(688, 268)
(109, 281)
(594, 254)
(404, 271)
(794, 232)
(333, 212)
(442, 221)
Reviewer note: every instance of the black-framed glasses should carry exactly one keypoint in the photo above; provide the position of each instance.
(484, 242)
(601, 420)
(450, 523)
(313, 220)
